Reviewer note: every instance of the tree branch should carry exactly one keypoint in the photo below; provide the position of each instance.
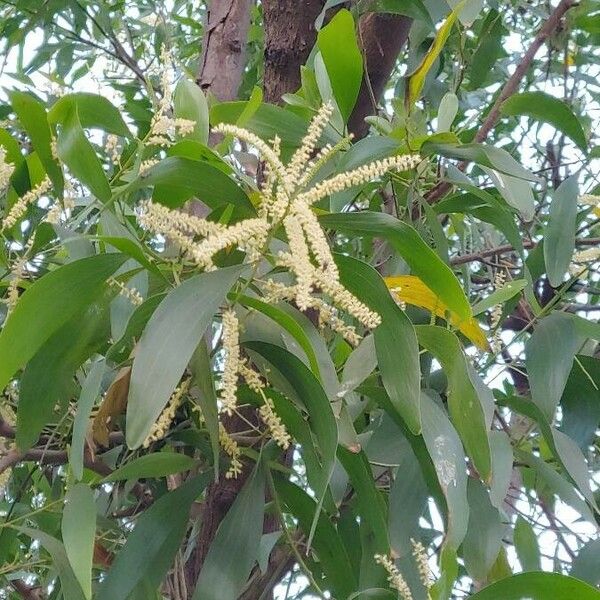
(510, 87)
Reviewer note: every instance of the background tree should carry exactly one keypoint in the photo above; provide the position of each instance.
(300, 300)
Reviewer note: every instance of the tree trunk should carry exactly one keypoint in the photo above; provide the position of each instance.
(289, 37)
(223, 55)
(382, 37)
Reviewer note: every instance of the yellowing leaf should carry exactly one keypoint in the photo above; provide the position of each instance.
(416, 81)
(113, 405)
(411, 290)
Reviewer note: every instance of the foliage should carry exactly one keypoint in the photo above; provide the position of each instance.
(242, 351)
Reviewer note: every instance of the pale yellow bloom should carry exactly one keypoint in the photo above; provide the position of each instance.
(231, 365)
(276, 427)
(127, 292)
(422, 561)
(19, 208)
(161, 427)
(6, 169)
(395, 579)
(230, 448)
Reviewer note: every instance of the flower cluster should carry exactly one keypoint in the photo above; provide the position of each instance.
(422, 562)
(161, 427)
(395, 579)
(272, 420)
(232, 450)
(6, 169)
(496, 314)
(130, 293)
(19, 208)
(231, 368)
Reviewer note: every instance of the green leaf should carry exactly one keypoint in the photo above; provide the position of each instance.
(79, 533)
(409, 8)
(395, 339)
(32, 116)
(266, 121)
(90, 391)
(371, 509)
(151, 546)
(447, 112)
(288, 323)
(586, 565)
(198, 178)
(152, 466)
(78, 154)
(446, 451)
(48, 304)
(516, 191)
(327, 542)
(309, 390)
(484, 534)
(549, 357)
(69, 586)
(502, 467)
(189, 103)
(499, 296)
(422, 260)
(469, 402)
(547, 109)
(201, 368)
(538, 586)
(343, 59)
(167, 344)
(526, 545)
(47, 378)
(482, 154)
(235, 547)
(94, 111)
(559, 235)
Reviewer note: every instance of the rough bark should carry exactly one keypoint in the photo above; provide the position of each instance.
(223, 54)
(382, 37)
(289, 37)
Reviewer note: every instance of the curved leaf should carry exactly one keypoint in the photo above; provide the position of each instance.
(422, 260)
(167, 344)
(157, 464)
(48, 304)
(547, 109)
(151, 546)
(538, 586)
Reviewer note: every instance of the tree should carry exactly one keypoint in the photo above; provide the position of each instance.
(300, 300)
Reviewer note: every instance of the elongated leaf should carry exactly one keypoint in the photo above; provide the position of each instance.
(469, 410)
(414, 9)
(315, 400)
(484, 534)
(158, 464)
(288, 323)
(373, 516)
(77, 153)
(79, 532)
(549, 357)
(547, 109)
(32, 117)
(395, 339)
(445, 449)
(235, 547)
(411, 290)
(586, 565)
(152, 544)
(47, 378)
(526, 545)
(190, 103)
(48, 304)
(416, 81)
(201, 368)
(70, 588)
(559, 236)
(422, 260)
(167, 344)
(501, 295)
(196, 177)
(517, 192)
(327, 543)
(90, 390)
(94, 111)
(482, 154)
(502, 467)
(538, 586)
(343, 60)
